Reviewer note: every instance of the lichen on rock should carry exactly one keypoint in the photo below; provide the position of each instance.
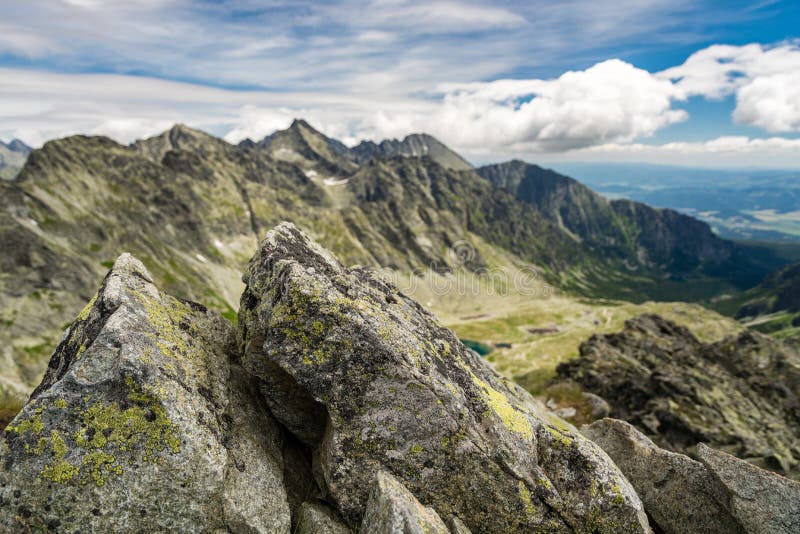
(372, 382)
(719, 493)
(138, 422)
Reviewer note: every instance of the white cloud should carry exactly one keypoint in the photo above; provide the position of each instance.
(447, 17)
(765, 81)
(721, 152)
(770, 102)
(610, 102)
(24, 43)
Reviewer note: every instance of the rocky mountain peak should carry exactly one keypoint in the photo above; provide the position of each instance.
(16, 145)
(304, 145)
(415, 145)
(12, 157)
(179, 137)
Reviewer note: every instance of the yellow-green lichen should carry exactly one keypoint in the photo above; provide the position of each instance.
(99, 465)
(514, 419)
(165, 316)
(525, 496)
(61, 404)
(619, 498)
(416, 449)
(84, 314)
(559, 436)
(60, 471)
(143, 426)
(33, 424)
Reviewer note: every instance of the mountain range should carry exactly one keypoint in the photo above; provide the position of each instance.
(192, 208)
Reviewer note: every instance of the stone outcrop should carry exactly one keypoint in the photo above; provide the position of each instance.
(392, 508)
(676, 490)
(317, 517)
(339, 405)
(372, 382)
(740, 395)
(718, 494)
(762, 502)
(143, 424)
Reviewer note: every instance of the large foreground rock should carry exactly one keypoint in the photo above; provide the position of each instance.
(142, 424)
(371, 382)
(719, 494)
(740, 395)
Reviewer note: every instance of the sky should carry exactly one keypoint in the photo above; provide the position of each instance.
(687, 82)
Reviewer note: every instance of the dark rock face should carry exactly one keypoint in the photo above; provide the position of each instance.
(741, 395)
(375, 383)
(718, 494)
(142, 423)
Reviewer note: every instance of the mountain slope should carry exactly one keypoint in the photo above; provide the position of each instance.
(740, 394)
(641, 237)
(774, 305)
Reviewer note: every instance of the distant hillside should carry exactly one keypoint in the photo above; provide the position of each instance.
(774, 305)
(12, 157)
(636, 234)
(745, 204)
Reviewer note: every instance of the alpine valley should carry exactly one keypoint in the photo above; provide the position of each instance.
(343, 402)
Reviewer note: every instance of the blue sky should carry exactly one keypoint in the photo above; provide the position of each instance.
(692, 82)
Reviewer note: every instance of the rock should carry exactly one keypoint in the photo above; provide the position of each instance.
(761, 501)
(567, 412)
(372, 382)
(457, 526)
(315, 517)
(143, 423)
(676, 491)
(741, 395)
(392, 508)
(598, 406)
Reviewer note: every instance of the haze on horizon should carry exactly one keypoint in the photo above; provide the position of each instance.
(705, 83)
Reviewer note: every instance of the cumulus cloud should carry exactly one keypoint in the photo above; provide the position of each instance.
(770, 102)
(764, 80)
(612, 101)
